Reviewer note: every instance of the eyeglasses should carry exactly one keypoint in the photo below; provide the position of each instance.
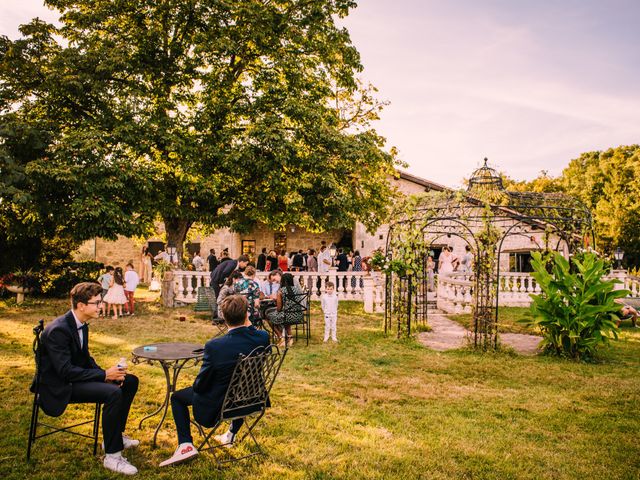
(97, 302)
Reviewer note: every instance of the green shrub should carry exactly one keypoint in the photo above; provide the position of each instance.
(58, 283)
(576, 310)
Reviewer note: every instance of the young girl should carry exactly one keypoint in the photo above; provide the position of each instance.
(329, 303)
(115, 297)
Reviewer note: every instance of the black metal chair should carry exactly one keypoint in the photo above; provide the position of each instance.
(296, 311)
(207, 301)
(247, 396)
(35, 423)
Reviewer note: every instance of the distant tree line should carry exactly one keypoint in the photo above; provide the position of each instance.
(608, 182)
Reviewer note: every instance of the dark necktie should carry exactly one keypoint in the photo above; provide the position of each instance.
(85, 331)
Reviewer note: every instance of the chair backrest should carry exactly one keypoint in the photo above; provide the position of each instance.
(295, 306)
(37, 331)
(251, 382)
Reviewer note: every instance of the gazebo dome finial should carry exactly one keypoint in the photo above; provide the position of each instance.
(485, 178)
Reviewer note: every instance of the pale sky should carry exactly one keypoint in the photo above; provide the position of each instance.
(530, 84)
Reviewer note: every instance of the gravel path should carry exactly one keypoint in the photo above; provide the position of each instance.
(446, 334)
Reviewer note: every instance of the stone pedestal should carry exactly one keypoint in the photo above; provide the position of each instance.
(167, 293)
(19, 291)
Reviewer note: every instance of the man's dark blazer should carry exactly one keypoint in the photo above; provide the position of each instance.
(63, 362)
(262, 262)
(220, 358)
(222, 271)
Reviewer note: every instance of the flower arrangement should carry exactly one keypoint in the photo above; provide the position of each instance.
(20, 278)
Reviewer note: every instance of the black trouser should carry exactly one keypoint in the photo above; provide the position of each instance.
(117, 402)
(180, 402)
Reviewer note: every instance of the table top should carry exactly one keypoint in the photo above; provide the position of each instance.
(170, 351)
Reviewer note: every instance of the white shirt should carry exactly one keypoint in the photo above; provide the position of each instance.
(329, 304)
(131, 280)
(79, 325)
(322, 256)
(162, 256)
(198, 263)
(269, 288)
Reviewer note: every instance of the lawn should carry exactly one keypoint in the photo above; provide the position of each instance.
(369, 407)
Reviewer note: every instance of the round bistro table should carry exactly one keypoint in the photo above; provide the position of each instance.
(172, 356)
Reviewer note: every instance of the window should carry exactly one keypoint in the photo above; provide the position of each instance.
(249, 249)
(280, 241)
(193, 248)
(155, 247)
(520, 262)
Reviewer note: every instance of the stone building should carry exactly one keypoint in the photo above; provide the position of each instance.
(124, 250)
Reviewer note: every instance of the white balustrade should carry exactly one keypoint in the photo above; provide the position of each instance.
(454, 291)
(348, 285)
(633, 285)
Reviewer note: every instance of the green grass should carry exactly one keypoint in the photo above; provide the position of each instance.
(369, 407)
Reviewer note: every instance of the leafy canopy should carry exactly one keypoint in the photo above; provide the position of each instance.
(225, 113)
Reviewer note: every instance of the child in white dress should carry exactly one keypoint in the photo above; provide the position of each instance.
(329, 303)
(115, 297)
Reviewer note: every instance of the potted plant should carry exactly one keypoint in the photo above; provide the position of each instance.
(19, 282)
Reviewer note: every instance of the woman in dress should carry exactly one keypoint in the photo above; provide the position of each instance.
(446, 261)
(356, 266)
(248, 287)
(283, 261)
(148, 267)
(115, 297)
(284, 313)
(272, 261)
(431, 265)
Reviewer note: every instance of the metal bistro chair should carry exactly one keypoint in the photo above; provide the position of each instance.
(297, 312)
(247, 396)
(208, 302)
(33, 434)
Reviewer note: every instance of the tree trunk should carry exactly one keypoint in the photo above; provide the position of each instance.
(177, 230)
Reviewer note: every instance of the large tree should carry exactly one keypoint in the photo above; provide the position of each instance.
(218, 112)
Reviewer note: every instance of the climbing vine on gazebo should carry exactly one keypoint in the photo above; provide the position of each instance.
(483, 216)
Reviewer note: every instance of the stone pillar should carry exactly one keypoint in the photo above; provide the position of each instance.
(619, 275)
(167, 290)
(368, 293)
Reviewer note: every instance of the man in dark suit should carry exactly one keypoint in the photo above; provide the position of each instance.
(68, 374)
(224, 269)
(261, 264)
(209, 388)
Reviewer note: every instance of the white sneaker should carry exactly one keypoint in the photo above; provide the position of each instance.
(226, 439)
(119, 464)
(127, 442)
(185, 451)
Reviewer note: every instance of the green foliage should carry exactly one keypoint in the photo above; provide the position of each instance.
(59, 282)
(576, 310)
(606, 182)
(220, 113)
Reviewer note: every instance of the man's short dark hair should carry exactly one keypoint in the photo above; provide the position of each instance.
(109, 268)
(83, 292)
(243, 258)
(234, 310)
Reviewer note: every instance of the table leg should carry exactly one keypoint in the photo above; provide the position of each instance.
(171, 387)
(164, 406)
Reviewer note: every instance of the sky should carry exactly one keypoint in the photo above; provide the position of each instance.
(530, 84)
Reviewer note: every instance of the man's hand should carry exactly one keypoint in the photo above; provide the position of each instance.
(115, 374)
